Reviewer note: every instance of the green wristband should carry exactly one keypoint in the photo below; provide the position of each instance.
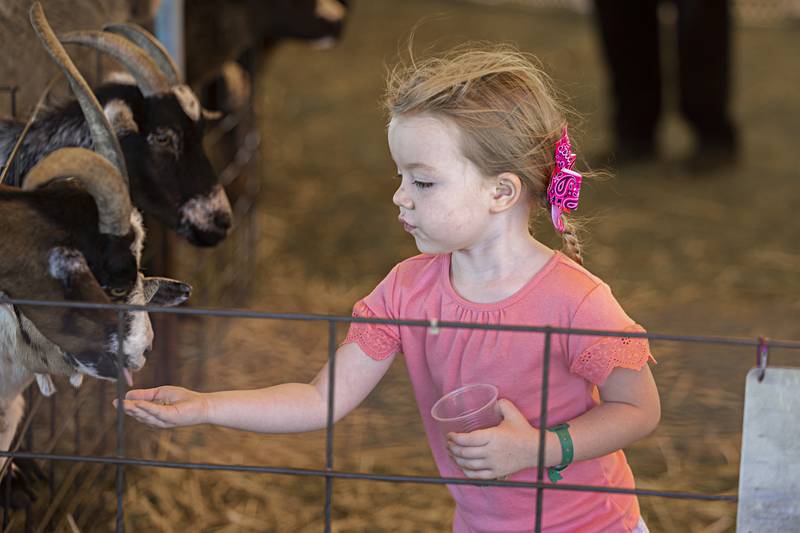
(567, 451)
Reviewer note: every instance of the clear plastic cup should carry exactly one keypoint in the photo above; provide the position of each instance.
(468, 408)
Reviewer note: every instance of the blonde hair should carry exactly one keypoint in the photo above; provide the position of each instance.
(504, 106)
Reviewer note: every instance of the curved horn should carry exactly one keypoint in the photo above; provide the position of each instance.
(103, 138)
(148, 42)
(98, 175)
(144, 70)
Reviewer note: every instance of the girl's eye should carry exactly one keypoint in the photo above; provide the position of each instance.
(423, 184)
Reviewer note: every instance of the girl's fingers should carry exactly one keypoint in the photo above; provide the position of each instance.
(159, 420)
(144, 418)
(480, 437)
(142, 394)
(479, 474)
(153, 422)
(170, 394)
(165, 394)
(146, 413)
(471, 464)
(467, 452)
(162, 412)
(127, 405)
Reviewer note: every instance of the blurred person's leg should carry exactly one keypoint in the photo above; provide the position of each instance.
(629, 37)
(704, 70)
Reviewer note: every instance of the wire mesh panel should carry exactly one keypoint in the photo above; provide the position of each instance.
(121, 459)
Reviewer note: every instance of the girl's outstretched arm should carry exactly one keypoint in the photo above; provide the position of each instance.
(285, 408)
(630, 410)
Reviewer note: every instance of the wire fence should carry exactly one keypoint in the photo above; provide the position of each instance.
(120, 460)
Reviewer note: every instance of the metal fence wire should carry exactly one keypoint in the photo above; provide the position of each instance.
(120, 460)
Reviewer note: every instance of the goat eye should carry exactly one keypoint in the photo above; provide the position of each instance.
(117, 292)
(162, 139)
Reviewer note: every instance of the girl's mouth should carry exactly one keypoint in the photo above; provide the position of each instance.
(406, 226)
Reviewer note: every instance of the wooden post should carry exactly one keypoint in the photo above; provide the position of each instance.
(159, 262)
(169, 29)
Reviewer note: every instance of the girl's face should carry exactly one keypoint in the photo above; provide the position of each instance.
(444, 199)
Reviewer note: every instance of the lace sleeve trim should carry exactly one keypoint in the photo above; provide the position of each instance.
(597, 361)
(378, 341)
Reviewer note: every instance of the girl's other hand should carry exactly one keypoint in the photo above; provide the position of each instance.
(166, 407)
(496, 452)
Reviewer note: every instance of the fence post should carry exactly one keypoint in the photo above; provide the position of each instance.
(169, 29)
(165, 342)
(542, 428)
(329, 442)
(120, 421)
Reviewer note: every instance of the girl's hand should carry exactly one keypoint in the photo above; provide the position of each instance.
(499, 451)
(166, 407)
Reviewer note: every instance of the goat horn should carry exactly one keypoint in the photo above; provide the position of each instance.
(100, 178)
(103, 138)
(148, 42)
(208, 114)
(144, 70)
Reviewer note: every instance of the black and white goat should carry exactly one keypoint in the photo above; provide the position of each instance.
(225, 40)
(159, 123)
(71, 233)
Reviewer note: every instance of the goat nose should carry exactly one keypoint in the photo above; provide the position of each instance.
(222, 220)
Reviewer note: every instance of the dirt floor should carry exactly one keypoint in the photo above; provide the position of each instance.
(716, 255)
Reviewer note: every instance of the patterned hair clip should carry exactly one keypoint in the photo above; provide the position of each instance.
(565, 184)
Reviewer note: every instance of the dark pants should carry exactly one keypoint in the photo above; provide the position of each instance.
(630, 36)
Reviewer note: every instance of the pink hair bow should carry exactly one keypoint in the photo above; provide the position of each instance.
(565, 184)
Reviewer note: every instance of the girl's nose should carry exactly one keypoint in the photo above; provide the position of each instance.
(401, 199)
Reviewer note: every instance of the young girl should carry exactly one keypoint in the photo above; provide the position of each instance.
(480, 144)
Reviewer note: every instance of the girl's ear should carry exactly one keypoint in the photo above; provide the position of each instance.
(506, 192)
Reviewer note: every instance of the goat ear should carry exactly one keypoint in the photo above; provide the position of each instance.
(46, 385)
(73, 330)
(165, 292)
(67, 265)
(120, 117)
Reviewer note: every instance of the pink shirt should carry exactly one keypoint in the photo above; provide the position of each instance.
(561, 294)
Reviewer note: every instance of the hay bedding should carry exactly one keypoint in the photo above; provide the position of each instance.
(384, 435)
(324, 149)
